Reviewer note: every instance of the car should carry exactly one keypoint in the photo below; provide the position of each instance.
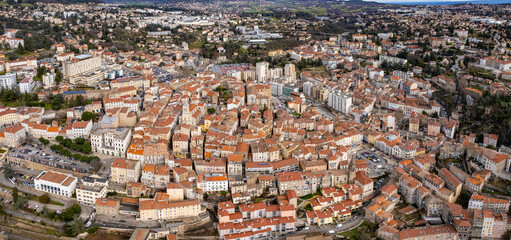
(306, 228)
(339, 225)
(331, 231)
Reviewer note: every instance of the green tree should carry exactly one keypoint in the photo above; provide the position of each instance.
(87, 148)
(15, 194)
(45, 199)
(8, 172)
(44, 141)
(68, 214)
(87, 116)
(21, 49)
(75, 226)
(20, 202)
(211, 110)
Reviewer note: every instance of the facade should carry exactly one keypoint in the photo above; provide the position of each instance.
(106, 206)
(156, 209)
(89, 189)
(124, 171)
(55, 183)
(13, 136)
(113, 142)
(8, 81)
(81, 64)
(340, 101)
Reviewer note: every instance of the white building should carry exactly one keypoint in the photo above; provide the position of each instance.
(55, 183)
(307, 88)
(290, 72)
(8, 80)
(90, 189)
(340, 101)
(213, 182)
(27, 85)
(262, 71)
(49, 79)
(112, 142)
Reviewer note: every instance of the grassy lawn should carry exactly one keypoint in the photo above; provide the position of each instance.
(26, 5)
(259, 200)
(355, 233)
(4, 4)
(36, 198)
(2, 150)
(307, 197)
(197, 44)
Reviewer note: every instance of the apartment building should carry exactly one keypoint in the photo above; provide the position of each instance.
(89, 189)
(8, 81)
(56, 183)
(113, 142)
(13, 136)
(124, 171)
(80, 64)
(160, 208)
(213, 182)
(300, 182)
(427, 233)
(155, 175)
(480, 202)
(107, 206)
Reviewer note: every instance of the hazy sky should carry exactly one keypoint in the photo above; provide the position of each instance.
(388, 1)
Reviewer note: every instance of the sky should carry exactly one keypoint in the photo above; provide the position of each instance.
(401, 1)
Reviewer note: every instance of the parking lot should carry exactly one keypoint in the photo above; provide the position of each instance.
(376, 163)
(45, 156)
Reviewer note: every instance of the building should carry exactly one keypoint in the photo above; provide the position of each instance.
(290, 72)
(13, 136)
(8, 80)
(113, 142)
(340, 101)
(124, 171)
(160, 208)
(89, 189)
(26, 85)
(480, 202)
(49, 79)
(106, 206)
(262, 71)
(80, 64)
(55, 183)
(427, 233)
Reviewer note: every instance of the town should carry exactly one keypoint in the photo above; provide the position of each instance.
(237, 120)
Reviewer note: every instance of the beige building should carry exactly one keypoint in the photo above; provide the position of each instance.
(89, 189)
(107, 206)
(13, 136)
(175, 191)
(81, 64)
(161, 208)
(124, 171)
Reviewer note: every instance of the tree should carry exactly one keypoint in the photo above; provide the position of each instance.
(15, 194)
(20, 202)
(75, 226)
(211, 110)
(44, 141)
(68, 214)
(21, 49)
(87, 148)
(87, 116)
(8, 172)
(45, 199)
